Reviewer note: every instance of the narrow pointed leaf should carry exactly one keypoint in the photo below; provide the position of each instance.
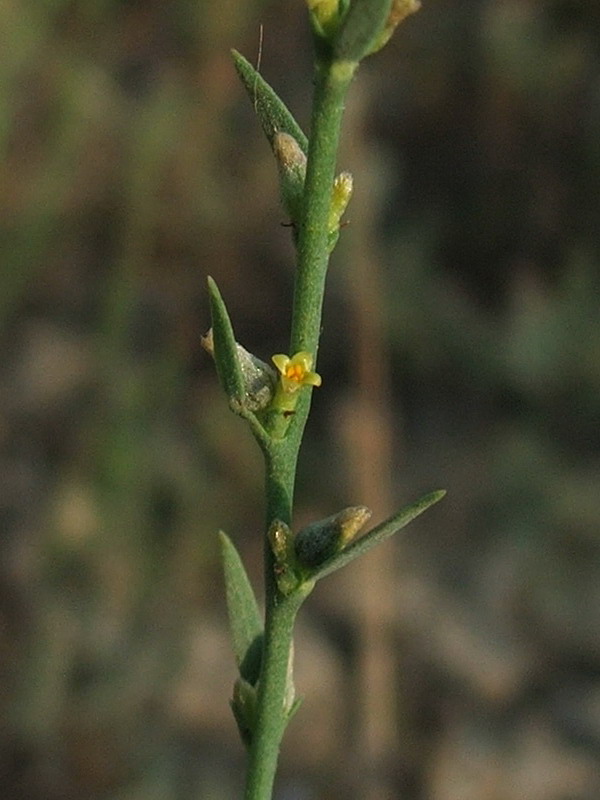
(244, 617)
(274, 115)
(377, 535)
(360, 29)
(225, 350)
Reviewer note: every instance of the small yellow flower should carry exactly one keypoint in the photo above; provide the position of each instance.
(296, 371)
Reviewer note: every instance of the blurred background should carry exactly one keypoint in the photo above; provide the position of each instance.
(460, 349)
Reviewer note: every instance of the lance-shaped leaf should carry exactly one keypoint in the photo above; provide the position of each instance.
(244, 617)
(377, 535)
(274, 115)
(360, 29)
(225, 349)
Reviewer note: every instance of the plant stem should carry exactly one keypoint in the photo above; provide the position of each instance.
(271, 713)
(331, 84)
(332, 80)
(279, 623)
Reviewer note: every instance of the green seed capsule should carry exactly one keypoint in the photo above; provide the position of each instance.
(321, 540)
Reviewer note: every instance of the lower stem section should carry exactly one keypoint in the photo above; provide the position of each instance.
(273, 697)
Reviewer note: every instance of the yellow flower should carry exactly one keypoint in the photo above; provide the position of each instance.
(296, 371)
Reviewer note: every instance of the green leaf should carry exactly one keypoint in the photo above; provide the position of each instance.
(377, 535)
(360, 28)
(244, 617)
(274, 115)
(225, 350)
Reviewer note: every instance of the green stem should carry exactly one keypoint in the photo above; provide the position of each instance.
(332, 80)
(279, 624)
(272, 714)
(331, 84)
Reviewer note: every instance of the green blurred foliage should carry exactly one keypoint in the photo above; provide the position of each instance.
(131, 167)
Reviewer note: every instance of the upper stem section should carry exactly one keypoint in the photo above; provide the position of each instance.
(331, 84)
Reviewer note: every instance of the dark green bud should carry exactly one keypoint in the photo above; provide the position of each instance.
(322, 540)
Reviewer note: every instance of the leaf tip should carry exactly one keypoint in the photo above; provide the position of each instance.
(213, 290)
(225, 543)
(239, 62)
(224, 539)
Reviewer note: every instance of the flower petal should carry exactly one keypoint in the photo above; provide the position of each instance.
(312, 379)
(281, 361)
(303, 359)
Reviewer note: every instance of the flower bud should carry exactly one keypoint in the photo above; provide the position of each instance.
(321, 540)
(282, 545)
(340, 197)
(324, 14)
(398, 13)
(243, 705)
(291, 162)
